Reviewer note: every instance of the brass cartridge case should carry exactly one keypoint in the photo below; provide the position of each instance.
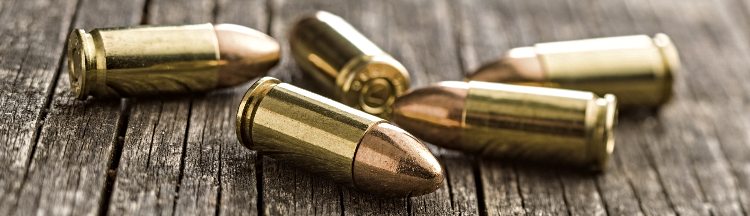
(323, 136)
(637, 69)
(353, 69)
(512, 121)
(155, 60)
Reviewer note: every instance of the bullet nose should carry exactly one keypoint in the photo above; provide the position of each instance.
(433, 113)
(246, 53)
(391, 162)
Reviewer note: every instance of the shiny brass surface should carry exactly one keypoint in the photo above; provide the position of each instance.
(154, 60)
(512, 121)
(638, 69)
(323, 136)
(351, 68)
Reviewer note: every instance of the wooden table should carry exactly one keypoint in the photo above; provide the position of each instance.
(179, 155)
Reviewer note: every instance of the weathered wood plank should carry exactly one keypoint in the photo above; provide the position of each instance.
(461, 180)
(632, 165)
(729, 120)
(32, 36)
(290, 191)
(731, 126)
(210, 129)
(148, 179)
(219, 175)
(691, 166)
(78, 140)
(356, 203)
(690, 158)
(500, 190)
(150, 164)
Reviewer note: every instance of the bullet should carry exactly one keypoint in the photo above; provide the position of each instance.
(637, 69)
(351, 68)
(156, 60)
(512, 121)
(317, 134)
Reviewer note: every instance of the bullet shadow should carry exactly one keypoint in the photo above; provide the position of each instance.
(536, 166)
(637, 114)
(309, 83)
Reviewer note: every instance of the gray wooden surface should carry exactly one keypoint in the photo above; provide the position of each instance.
(179, 155)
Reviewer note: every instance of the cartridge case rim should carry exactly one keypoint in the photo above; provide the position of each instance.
(602, 143)
(81, 58)
(362, 73)
(671, 58)
(248, 106)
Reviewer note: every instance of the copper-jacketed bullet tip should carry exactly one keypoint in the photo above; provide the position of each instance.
(516, 65)
(248, 53)
(392, 162)
(433, 113)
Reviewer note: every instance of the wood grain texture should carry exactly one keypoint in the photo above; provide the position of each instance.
(179, 155)
(77, 143)
(152, 161)
(689, 159)
(729, 121)
(460, 180)
(31, 43)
